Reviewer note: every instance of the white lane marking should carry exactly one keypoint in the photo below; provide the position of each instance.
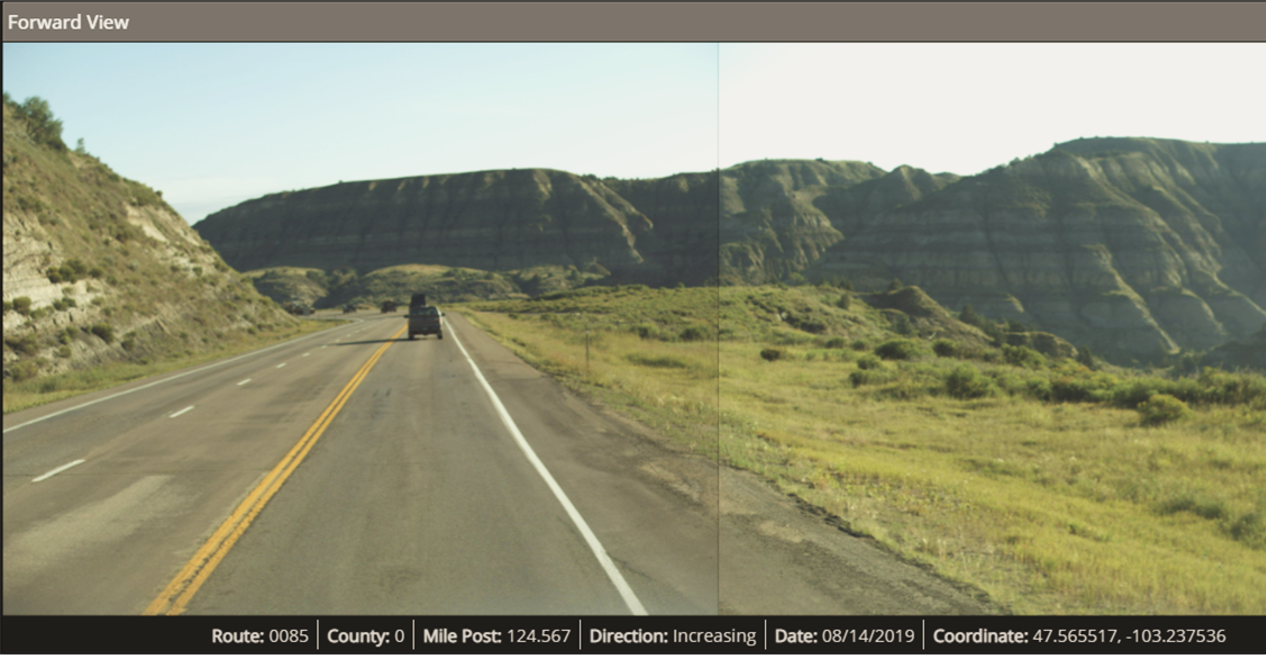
(626, 592)
(181, 412)
(325, 345)
(58, 470)
(306, 354)
(158, 382)
(244, 381)
(281, 365)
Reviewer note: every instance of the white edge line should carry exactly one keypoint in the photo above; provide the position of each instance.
(157, 382)
(626, 592)
(281, 365)
(181, 412)
(58, 470)
(244, 381)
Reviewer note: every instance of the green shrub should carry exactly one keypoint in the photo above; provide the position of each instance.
(844, 302)
(645, 330)
(1250, 529)
(7, 306)
(1081, 385)
(693, 333)
(24, 345)
(900, 323)
(1196, 503)
(969, 316)
(1162, 408)
(966, 381)
(835, 342)
(63, 352)
(868, 362)
(43, 127)
(945, 348)
(104, 331)
(22, 305)
(1134, 391)
(898, 349)
(659, 361)
(869, 377)
(860, 345)
(1023, 356)
(771, 354)
(1038, 387)
(1218, 386)
(24, 370)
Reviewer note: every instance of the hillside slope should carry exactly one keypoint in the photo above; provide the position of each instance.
(99, 269)
(779, 216)
(490, 220)
(1134, 246)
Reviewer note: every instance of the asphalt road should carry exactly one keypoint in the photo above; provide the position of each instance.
(356, 472)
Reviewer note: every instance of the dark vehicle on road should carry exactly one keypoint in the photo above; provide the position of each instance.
(424, 319)
(388, 306)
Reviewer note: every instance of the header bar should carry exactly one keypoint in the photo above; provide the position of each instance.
(633, 21)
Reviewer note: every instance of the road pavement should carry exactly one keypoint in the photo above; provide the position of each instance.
(354, 471)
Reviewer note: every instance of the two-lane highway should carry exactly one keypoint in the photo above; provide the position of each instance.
(425, 490)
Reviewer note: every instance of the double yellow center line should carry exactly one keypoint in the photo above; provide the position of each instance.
(181, 589)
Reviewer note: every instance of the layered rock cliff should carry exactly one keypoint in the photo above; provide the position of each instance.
(1131, 246)
(1135, 247)
(491, 220)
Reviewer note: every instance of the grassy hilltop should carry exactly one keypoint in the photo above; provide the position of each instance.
(1055, 485)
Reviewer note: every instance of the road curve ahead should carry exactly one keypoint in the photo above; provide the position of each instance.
(353, 472)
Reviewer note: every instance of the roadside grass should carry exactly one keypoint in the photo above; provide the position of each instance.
(671, 386)
(1046, 485)
(1050, 508)
(59, 386)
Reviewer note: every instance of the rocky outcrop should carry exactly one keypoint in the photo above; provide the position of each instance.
(491, 220)
(1135, 247)
(99, 269)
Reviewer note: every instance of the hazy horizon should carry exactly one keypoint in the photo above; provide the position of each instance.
(213, 125)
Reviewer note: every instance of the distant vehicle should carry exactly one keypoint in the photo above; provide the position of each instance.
(349, 308)
(388, 306)
(424, 319)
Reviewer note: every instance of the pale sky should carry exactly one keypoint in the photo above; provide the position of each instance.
(212, 125)
(967, 107)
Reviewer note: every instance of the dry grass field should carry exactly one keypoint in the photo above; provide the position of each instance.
(1054, 488)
